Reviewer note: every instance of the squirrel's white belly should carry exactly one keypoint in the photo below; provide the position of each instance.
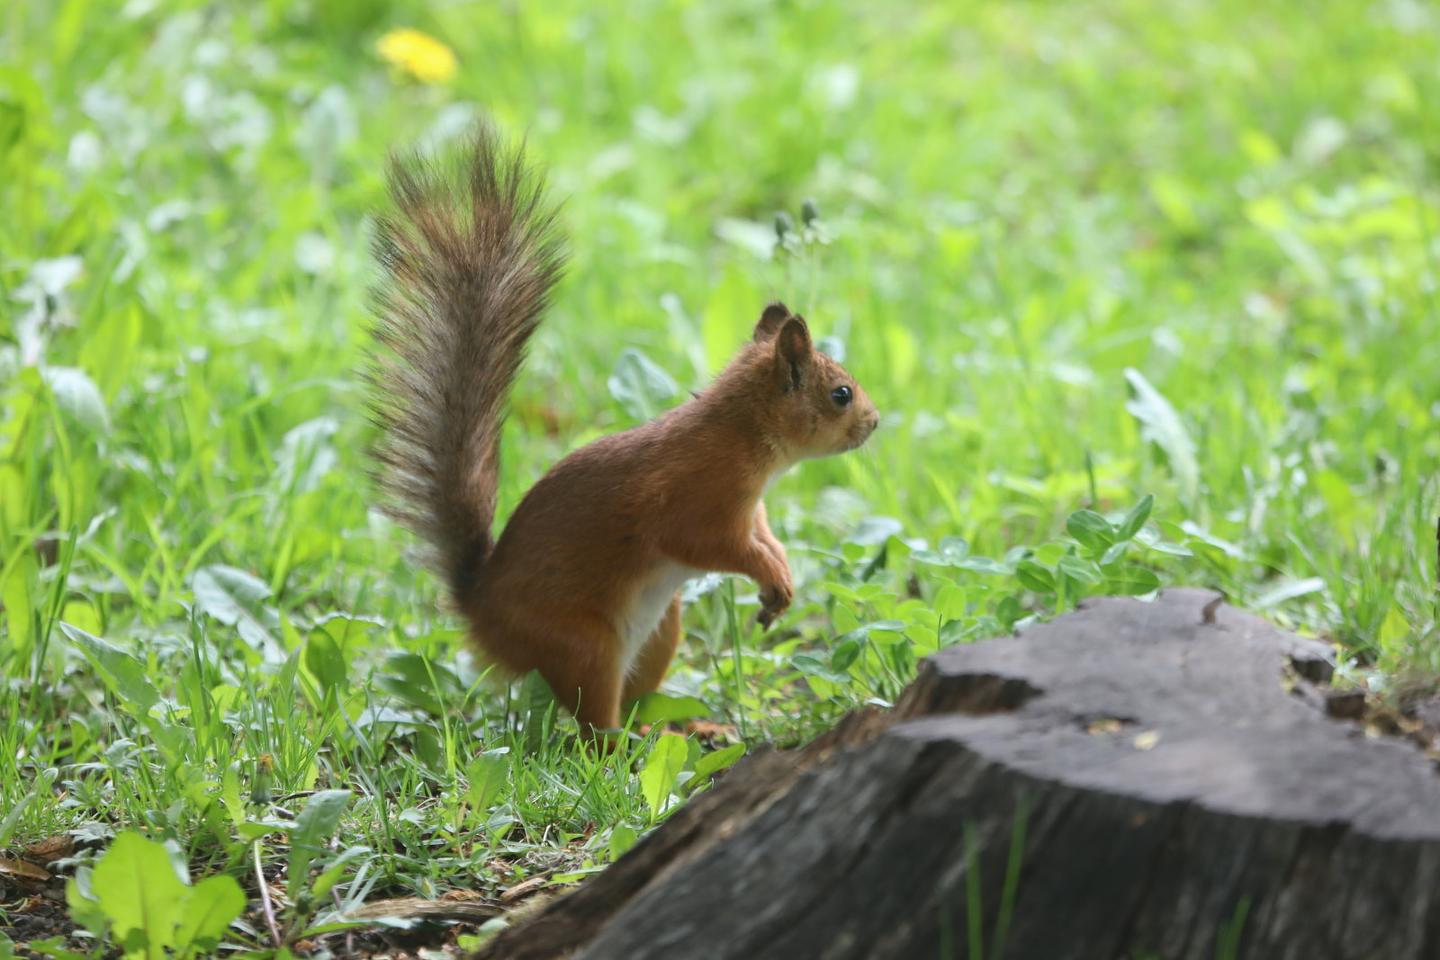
(642, 615)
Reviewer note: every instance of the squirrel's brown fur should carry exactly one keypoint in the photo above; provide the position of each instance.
(583, 583)
(470, 257)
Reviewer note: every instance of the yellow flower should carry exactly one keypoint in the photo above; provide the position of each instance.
(418, 54)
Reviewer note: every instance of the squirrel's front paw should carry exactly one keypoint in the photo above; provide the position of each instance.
(774, 600)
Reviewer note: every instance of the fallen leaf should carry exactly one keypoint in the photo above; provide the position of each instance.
(709, 730)
(26, 872)
(466, 896)
(57, 847)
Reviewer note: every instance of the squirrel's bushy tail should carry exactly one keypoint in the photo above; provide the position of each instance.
(469, 255)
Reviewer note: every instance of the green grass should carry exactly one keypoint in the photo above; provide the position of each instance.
(1077, 253)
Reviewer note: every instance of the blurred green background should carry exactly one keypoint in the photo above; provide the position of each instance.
(1078, 253)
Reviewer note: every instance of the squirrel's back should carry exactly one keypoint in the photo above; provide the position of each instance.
(469, 255)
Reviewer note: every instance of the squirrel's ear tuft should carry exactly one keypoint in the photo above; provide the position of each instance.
(793, 351)
(771, 320)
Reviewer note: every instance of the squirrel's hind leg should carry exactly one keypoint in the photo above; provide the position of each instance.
(653, 660)
(584, 675)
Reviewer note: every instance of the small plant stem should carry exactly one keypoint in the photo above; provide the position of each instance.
(265, 906)
(734, 629)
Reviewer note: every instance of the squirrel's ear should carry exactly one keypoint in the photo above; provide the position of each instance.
(792, 352)
(770, 321)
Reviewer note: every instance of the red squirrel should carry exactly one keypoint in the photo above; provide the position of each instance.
(583, 584)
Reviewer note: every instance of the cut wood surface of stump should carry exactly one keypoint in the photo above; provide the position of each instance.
(1134, 779)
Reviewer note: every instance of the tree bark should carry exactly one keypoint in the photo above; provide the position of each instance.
(1131, 780)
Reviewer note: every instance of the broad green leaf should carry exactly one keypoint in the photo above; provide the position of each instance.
(622, 838)
(1033, 576)
(140, 894)
(1162, 426)
(663, 708)
(886, 632)
(536, 704)
(230, 794)
(1080, 569)
(717, 760)
(1048, 554)
(873, 531)
(347, 628)
(1132, 580)
(486, 777)
(1008, 610)
(421, 682)
(1170, 549)
(1204, 536)
(237, 599)
(813, 666)
(313, 830)
(1135, 520)
(641, 385)
(924, 638)
(17, 596)
(306, 454)
(1394, 628)
(213, 903)
(78, 396)
(1091, 531)
(83, 907)
(121, 672)
(951, 602)
(662, 768)
(335, 870)
(949, 553)
(984, 565)
(325, 662)
(846, 652)
(83, 615)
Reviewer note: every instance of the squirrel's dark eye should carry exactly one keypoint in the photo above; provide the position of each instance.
(842, 396)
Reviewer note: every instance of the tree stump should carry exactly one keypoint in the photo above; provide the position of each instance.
(1131, 780)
